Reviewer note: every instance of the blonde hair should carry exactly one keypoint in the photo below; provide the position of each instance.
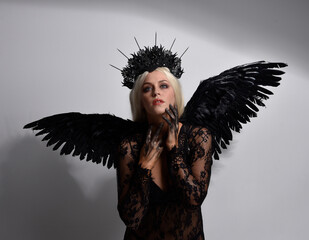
(138, 112)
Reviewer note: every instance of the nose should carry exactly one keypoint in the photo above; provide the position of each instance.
(155, 92)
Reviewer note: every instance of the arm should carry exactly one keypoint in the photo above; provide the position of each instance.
(133, 185)
(134, 175)
(192, 176)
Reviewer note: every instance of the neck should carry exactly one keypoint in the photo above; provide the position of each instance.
(155, 122)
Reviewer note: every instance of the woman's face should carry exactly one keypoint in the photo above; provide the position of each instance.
(157, 94)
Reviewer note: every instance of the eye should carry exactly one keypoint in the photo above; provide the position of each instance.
(146, 89)
(164, 85)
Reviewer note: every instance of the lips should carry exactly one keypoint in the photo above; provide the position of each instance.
(157, 102)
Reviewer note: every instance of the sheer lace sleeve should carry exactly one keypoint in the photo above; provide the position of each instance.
(192, 175)
(133, 185)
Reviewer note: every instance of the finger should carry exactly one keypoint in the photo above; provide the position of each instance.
(147, 143)
(168, 121)
(160, 150)
(157, 153)
(174, 110)
(159, 144)
(155, 137)
(148, 138)
(170, 113)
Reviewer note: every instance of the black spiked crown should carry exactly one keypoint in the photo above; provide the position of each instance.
(148, 59)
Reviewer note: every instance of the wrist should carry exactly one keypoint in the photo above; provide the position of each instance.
(146, 165)
(171, 144)
(172, 150)
(170, 147)
(145, 172)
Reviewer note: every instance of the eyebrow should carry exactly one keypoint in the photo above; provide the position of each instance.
(163, 80)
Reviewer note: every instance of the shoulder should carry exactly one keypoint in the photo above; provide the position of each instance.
(193, 131)
(199, 139)
(199, 142)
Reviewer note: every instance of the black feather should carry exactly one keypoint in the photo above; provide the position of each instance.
(91, 136)
(223, 103)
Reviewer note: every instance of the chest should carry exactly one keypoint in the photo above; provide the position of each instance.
(161, 171)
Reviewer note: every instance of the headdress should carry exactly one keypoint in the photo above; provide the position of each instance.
(148, 59)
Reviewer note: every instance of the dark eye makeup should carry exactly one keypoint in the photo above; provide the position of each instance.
(164, 85)
(146, 89)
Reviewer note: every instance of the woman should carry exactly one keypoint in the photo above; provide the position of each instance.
(163, 175)
(162, 178)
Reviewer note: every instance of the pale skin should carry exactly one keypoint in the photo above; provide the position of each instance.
(158, 100)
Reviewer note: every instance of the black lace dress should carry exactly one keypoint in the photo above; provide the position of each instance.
(151, 213)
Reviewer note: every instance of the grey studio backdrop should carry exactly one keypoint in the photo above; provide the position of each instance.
(54, 58)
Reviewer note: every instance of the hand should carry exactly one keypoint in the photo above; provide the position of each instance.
(152, 149)
(172, 121)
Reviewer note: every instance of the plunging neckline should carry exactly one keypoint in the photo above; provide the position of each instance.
(152, 180)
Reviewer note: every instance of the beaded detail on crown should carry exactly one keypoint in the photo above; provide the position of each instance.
(148, 59)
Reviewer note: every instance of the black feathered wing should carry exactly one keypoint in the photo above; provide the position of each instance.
(224, 102)
(92, 137)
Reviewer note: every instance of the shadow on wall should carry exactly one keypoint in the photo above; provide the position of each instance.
(40, 200)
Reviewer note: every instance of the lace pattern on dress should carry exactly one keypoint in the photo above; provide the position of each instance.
(175, 214)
